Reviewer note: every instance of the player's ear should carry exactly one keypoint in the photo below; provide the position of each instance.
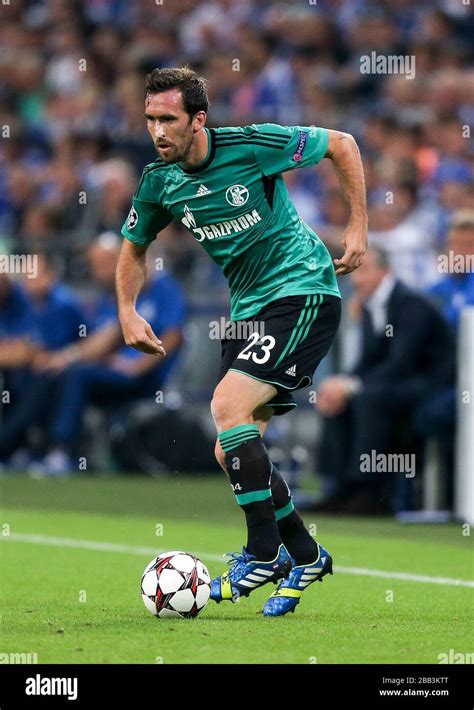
(199, 120)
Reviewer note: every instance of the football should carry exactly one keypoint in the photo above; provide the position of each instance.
(175, 584)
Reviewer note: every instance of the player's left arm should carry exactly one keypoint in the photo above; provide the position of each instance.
(344, 153)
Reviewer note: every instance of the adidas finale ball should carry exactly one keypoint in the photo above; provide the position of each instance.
(175, 584)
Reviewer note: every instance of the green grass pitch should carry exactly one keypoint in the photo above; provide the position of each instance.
(71, 600)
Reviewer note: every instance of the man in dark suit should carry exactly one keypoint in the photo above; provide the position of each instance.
(407, 354)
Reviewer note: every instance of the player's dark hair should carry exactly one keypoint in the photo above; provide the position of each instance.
(192, 86)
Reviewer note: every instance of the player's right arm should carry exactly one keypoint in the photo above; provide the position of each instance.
(146, 218)
(130, 277)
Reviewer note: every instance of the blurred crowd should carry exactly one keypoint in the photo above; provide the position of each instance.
(73, 139)
(60, 353)
(71, 90)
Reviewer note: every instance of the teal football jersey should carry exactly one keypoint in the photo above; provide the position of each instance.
(236, 205)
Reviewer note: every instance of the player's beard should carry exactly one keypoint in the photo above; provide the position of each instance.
(176, 154)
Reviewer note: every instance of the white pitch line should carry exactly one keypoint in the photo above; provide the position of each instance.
(404, 576)
(91, 545)
(153, 551)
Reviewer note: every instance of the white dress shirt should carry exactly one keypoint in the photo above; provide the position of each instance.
(377, 303)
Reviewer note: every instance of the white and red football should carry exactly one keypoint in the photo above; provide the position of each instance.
(175, 584)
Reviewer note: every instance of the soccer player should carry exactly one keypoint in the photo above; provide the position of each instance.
(225, 185)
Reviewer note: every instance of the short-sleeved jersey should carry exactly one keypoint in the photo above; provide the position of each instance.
(236, 205)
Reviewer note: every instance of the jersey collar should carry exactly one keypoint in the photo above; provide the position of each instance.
(211, 149)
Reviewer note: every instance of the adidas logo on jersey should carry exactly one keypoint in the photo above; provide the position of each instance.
(202, 190)
(291, 371)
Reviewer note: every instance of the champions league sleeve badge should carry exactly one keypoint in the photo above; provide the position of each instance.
(132, 218)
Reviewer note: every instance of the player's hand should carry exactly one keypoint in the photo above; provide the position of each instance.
(139, 335)
(354, 241)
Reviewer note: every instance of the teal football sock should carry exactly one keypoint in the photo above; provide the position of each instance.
(249, 470)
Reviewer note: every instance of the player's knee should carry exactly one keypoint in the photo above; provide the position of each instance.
(221, 411)
(217, 407)
(220, 455)
(225, 413)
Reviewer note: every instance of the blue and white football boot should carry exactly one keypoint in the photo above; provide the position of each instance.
(287, 595)
(247, 573)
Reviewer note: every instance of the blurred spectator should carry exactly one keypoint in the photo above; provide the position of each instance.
(407, 355)
(111, 184)
(436, 416)
(41, 316)
(101, 369)
(406, 232)
(455, 289)
(56, 311)
(16, 354)
(16, 349)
